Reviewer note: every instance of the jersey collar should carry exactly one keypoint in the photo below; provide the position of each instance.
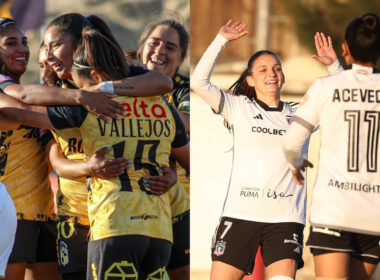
(363, 70)
(267, 108)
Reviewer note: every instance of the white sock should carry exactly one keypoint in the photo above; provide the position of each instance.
(281, 277)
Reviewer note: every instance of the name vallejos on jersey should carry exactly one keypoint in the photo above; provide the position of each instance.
(145, 134)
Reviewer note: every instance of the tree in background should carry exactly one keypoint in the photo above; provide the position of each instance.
(328, 16)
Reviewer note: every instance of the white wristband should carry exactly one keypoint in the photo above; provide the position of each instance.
(335, 67)
(107, 87)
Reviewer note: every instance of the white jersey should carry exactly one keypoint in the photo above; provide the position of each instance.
(347, 189)
(8, 221)
(261, 187)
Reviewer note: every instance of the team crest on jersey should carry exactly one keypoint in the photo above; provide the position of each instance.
(289, 119)
(219, 248)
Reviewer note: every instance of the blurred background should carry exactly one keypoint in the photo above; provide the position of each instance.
(126, 18)
(287, 28)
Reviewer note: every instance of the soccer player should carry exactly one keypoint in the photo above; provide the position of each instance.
(24, 171)
(130, 227)
(61, 39)
(344, 235)
(163, 47)
(264, 206)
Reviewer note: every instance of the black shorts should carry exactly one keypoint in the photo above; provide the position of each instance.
(236, 242)
(361, 246)
(180, 253)
(34, 242)
(127, 257)
(72, 243)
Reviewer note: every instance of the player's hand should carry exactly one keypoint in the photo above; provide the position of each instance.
(325, 50)
(101, 104)
(103, 168)
(297, 175)
(163, 182)
(232, 31)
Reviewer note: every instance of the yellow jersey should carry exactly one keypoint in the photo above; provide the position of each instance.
(24, 169)
(179, 194)
(72, 193)
(146, 134)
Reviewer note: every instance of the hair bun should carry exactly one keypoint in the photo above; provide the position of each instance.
(370, 21)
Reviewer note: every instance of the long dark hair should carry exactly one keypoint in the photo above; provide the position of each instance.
(363, 38)
(182, 34)
(73, 24)
(97, 52)
(4, 23)
(241, 87)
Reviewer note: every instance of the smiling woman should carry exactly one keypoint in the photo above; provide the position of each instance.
(14, 49)
(60, 50)
(163, 47)
(161, 51)
(22, 153)
(264, 206)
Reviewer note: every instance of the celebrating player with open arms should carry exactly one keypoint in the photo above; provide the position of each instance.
(264, 206)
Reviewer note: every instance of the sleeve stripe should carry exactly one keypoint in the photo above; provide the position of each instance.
(303, 123)
(221, 103)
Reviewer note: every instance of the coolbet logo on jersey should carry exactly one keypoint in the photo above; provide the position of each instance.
(141, 119)
(266, 130)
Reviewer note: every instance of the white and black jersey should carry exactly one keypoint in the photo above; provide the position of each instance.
(9, 222)
(346, 106)
(261, 186)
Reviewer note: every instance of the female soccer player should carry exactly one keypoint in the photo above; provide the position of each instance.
(264, 206)
(18, 145)
(344, 236)
(24, 171)
(129, 226)
(61, 38)
(163, 47)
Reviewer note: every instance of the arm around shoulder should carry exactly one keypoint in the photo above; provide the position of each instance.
(21, 113)
(151, 83)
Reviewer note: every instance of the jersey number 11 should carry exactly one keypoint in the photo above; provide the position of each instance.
(353, 119)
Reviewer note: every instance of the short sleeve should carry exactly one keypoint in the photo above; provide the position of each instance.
(135, 71)
(181, 96)
(63, 117)
(180, 138)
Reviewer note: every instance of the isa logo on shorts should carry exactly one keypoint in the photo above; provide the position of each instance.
(219, 248)
(63, 253)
